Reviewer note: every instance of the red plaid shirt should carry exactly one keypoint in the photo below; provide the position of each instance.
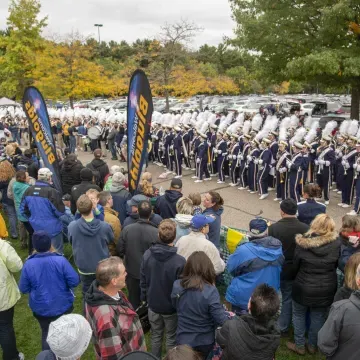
(116, 329)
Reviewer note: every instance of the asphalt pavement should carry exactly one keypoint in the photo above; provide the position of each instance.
(239, 206)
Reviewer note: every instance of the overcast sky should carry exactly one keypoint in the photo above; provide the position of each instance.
(129, 20)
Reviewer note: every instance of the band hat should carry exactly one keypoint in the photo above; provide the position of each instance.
(274, 133)
(298, 145)
(186, 126)
(204, 136)
(282, 142)
(248, 136)
(256, 141)
(235, 136)
(220, 132)
(214, 126)
(326, 138)
(169, 126)
(353, 138)
(177, 128)
(266, 141)
(306, 144)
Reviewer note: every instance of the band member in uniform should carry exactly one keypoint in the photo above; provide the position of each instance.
(324, 161)
(282, 172)
(274, 148)
(213, 156)
(221, 152)
(264, 162)
(194, 153)
(202, 160)
(252, 163)
(167, 150)
(347, 182)
(356, 167)
(157, 136)
(177, 145)
(233, 159)
(295, 171)
(187, 147)
(339, 153)
(305, 167)
(242, 159)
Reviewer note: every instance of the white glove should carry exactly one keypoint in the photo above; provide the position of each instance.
(327, 163)
(340, 154)
(239, 157)
(321, 162)
(284, 169)
(209, 143)
(224, 154)
(256, 161)
(343, 163)
(316, 163)
(234, 157)
(312, 151)
(358, 168)
(191, 153)
(261, 162)
(249, 158)
(198, 161)
(347, 165)
(355, 166)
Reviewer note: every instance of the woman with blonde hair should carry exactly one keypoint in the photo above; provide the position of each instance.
(145, 186)
(350, 285)
(184, 208)
(48, 278)
(315, 261)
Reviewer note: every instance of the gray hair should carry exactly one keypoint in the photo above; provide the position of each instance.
(108, 269)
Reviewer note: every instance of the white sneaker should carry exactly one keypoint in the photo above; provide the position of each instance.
(187, 168)
(335, 190)
(277, 199)
(248, 190)
(327, 202)
(194, 177)
(198, 181)
(263, 196)
(252, 192)
(352, 213)
(21, 356)
(339, 192)
(193, 169)
(241, 188)
(341, 204)
(212, 175)
(232, 184)
(271, 189)
(183, 166)
(208, 179)
(221, 182)
(178, 177)
(346, 206)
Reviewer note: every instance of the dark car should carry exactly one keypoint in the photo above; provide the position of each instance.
(339, 119)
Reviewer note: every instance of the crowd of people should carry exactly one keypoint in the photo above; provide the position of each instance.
(298, 276)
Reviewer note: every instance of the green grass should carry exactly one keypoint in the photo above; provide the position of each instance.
(28, 334)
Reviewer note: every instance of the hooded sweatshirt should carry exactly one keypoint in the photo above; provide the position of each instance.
(214, 227)
(256, 262)
(165, 205)
(155, 219)
(115, 324)
(183, 223)
(253, 340)
(100, 166)
(90, 243)
(160, 267)
(19, 189)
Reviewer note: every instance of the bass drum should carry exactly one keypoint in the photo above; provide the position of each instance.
(94, 132)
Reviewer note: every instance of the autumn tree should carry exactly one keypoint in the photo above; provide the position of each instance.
(172, 44)
(19, 46)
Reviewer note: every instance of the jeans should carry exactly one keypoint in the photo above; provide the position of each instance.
(58, 243)
(16, 136)
(11, 213)
(317, 320)
(159, 323)
(112, 148)
(86, 281)
(44, 322)
(72, 144)
(133, 286)
(286, 311)
(30, 231)
(7, 335)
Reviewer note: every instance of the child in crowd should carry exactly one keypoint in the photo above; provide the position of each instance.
(255, 335)
(196, 200)
(98, 210)
(68, 217)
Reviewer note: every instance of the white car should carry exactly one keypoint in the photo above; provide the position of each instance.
(306, 109)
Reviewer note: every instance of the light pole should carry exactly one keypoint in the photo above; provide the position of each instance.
(99, 26)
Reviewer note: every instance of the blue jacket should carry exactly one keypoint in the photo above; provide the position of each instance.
(214, 228)
(165, 205)
(48, 278)
(89, 242)
(160, 267)
(256, 262)
(346, 251)
(66, 219)
(309, 209)
(43, 206)
(199, 314)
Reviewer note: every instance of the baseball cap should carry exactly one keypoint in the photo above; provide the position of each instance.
(135, 200)
(199, 221)
(66, 197)
(44, 172)
(69, 336)
(258, 226)
(176, 184)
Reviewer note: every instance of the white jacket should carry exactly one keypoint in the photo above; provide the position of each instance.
(10, 263)
(196, 241)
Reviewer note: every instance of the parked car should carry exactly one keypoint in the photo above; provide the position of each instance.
(323, 108)
(339, 119)
(82, 104)
(306, 109)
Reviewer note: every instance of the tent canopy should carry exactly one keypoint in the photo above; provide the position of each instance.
(7, 102)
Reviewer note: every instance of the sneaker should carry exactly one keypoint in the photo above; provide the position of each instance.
(341, 204)
(21, 356)
(241, 188)
(277, 199)
(187, 168)
(346, 206)
(198, 181)
(298, 350)
(183, 166)
(193, 169)
(311, 349)
(263, 196)
(327, 202)
(221, 182)
(335, 190)
(271, 189)
(232, 184)
(352, 213)
(194, 177)
(208, 179)
(252, 192)
(178, 177)
(339, 192)
(212, 175)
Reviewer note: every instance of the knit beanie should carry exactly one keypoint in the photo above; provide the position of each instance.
(118, 178)
(289, 206)
(41, 241)
(86, 174)
(69, 336)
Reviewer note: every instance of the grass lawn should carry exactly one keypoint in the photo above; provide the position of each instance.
(27, 329)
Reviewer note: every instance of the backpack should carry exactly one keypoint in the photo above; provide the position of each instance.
(96, 175)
